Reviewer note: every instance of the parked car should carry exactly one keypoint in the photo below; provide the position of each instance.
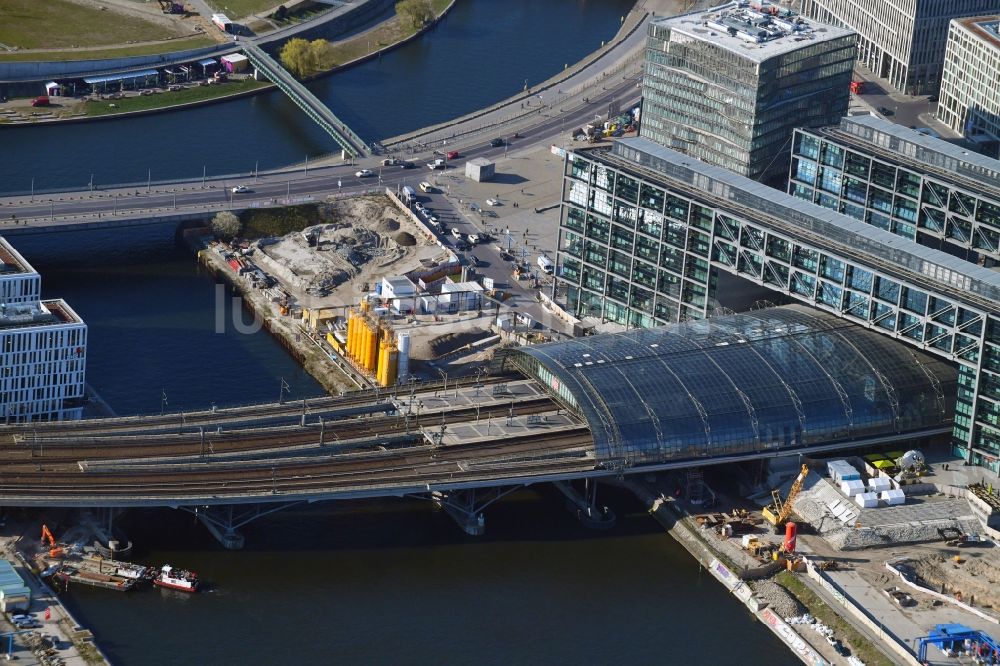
(364, 173)
(492, 202)
(240, 189)
(41, 101)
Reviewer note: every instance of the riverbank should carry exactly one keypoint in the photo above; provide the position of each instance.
(677, 522)
(190, 97)
(333, 377)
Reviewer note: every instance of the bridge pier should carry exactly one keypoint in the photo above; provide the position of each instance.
(223, 522)
(584, 506)
(466, 507)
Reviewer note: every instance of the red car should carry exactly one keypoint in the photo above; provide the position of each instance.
(452, 155)
(40, 101)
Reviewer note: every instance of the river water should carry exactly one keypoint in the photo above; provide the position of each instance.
(483, 51)
(391, 582)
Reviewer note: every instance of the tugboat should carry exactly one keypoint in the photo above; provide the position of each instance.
(177, 579)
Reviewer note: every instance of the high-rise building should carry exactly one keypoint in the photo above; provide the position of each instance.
(645, 231)
(43, 348)
(898, 179)
(970, 86)
(729, 85)
(900, 40)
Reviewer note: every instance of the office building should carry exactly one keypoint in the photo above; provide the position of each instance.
(645, 231)
(900, 40)
(905, 182)
(970, 86)
(729, 85)
(43, 348)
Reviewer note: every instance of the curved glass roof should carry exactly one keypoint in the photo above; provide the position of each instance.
(776, 378)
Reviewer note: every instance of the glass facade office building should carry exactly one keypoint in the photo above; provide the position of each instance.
(644, 232)
(902, 181)
(728, 86)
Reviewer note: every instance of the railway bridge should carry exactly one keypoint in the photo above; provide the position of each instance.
(768, 383)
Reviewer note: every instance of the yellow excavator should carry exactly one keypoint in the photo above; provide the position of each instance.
(777, 513)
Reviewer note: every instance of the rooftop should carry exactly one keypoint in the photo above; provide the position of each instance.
(891, 254)
(43, 313)
(779, 378)
(912, 145)
(11, 261)
(986, 28)
(755, 30)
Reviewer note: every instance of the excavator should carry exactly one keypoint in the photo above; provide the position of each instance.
(54, 549)
(778, 513)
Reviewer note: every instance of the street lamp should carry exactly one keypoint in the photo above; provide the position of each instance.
(445, 376)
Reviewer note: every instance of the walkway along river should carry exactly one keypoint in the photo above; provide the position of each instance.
(482, 51)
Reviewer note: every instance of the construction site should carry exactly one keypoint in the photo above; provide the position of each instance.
(900, 546)
(366, 297)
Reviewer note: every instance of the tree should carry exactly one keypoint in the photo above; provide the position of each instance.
(414, 13)
(226, 225)
(303, 58)
(297, 57)
(280, 13)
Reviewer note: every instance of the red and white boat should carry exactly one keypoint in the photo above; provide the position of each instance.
(177, 579)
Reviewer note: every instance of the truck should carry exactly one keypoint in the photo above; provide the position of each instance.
(436, 164)
(545, 264)
(409, 195)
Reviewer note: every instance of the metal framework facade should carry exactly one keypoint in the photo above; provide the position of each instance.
(644, 230)
(904, 195)
(775, 379)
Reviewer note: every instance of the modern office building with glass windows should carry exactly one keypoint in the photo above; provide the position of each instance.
(644, 232)
(970, 86)
(43, 348)
(902, 41)
(915, 186)
(729, 85)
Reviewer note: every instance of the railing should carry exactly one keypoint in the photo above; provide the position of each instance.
(305, 100)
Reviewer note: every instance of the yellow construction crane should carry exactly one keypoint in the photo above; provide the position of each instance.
(777, 514)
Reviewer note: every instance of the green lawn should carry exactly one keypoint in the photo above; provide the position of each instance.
(160, 100)
(388, 32)
(102, 54)
(35, 24)
(860, 646)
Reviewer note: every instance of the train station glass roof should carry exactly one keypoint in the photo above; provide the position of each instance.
(778, 378)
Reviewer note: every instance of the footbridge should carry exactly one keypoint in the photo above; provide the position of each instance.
(351, 143)
(770, 383)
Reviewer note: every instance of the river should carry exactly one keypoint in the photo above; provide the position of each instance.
(483, 51)
(391, 582)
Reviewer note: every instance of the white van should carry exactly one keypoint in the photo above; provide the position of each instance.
(456, 233)
(409, 194)
(426, 187)
(474, 239)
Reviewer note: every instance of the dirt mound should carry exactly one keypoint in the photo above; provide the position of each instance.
(405, 239)
(386, 226)
(449, 342)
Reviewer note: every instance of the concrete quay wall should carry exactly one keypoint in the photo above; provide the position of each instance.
(331, 23)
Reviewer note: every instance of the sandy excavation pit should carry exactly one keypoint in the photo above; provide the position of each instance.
(359, 241)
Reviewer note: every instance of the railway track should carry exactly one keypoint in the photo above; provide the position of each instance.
(53, 456)
(220, 417)
(543, 453)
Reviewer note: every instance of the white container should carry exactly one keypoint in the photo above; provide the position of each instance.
(879, 484)
(893, 497)
(852, 487)
(403, 358)
(867, 500)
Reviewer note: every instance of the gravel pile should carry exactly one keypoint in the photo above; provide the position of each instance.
(777, 598)
(386, 226)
